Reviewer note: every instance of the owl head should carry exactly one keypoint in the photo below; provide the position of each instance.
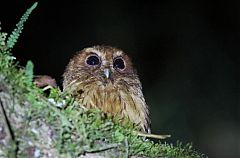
(106, 64)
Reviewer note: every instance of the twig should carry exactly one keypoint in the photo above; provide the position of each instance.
(106, 147)
(126, 145)
(8, 131)
(149, 135)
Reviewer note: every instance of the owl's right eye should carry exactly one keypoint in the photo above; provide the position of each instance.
(93, 60)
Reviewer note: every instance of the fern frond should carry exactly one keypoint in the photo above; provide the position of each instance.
(29, 71)
(12, 39)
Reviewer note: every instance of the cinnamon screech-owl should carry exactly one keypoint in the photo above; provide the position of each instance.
(103, 77)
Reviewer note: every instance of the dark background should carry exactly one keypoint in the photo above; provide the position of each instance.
(186, 54)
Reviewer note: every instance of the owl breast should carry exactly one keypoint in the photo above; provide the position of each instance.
(117, 99)
(103, 97)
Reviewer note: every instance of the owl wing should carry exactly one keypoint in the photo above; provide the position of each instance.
(135, 107)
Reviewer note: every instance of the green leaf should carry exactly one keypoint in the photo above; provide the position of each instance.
(29, 71)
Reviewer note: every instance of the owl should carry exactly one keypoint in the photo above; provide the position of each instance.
(104, 77)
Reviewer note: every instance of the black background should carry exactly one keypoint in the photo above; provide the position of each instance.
(186, 54)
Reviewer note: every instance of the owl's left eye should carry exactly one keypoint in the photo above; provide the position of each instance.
(118, 63)
(93, 60)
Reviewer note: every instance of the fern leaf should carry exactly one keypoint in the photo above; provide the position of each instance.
(12, 39)
(29, 71)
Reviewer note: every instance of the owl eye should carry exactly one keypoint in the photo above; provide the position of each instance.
(93, 60)
(118, 63)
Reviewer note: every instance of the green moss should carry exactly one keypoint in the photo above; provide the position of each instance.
(78, 130)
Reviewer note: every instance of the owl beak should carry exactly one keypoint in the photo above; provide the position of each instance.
(106, 73)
